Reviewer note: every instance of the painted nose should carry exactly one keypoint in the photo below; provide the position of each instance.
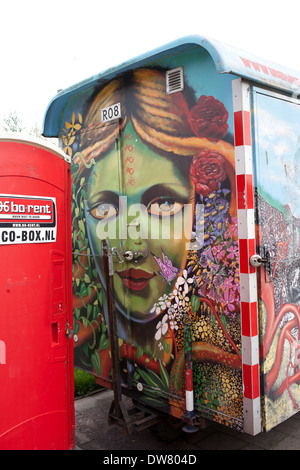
(140, 256)
(136, 251)
(134, 256)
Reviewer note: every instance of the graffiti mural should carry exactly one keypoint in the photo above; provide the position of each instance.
(159, 182)
(277, 132)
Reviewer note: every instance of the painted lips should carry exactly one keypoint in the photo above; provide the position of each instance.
(135, 279)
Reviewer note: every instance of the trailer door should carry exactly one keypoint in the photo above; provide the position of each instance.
(128, 202)
(276, 124)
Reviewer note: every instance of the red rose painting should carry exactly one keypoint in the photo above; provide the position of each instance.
(208, 118)
(207, 171)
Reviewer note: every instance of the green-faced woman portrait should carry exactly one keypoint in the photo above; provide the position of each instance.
(158, 183)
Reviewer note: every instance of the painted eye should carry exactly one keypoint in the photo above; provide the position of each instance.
(103, 211)
(165, 207)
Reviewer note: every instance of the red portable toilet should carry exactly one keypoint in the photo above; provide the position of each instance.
(36, 354)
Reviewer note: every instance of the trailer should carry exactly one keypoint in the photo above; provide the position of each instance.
(185, 216)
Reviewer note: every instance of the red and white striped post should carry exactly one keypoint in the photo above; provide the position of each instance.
(248, 276)
(189, 415)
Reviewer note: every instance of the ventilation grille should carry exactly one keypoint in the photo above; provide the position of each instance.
(174, 80)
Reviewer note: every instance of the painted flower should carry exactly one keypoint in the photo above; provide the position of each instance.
(209, 238)
(232, 231)
(233, 252)
(218, 251)
(179, 299)
(228, 283)
(173, 317)
(162, 303)
(219, 227)
(208, 118)
(161, 327)
(229, 301)
(155, 309)
(184, 281)
(217, 281)
(207, 171)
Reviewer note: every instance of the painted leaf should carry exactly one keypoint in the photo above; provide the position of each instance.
(164, 375)
(96, 362)
(195, 303)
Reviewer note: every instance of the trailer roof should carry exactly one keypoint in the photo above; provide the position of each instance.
(226, 59)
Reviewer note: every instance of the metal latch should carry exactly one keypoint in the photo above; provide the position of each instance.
(115, 252)
(69, 331)
(266, 260)
(109, 251)
(257, 261)
(128, 255)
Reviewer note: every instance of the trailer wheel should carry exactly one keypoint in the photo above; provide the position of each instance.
(168, 429)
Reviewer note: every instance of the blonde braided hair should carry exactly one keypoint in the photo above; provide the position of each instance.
(160, 120)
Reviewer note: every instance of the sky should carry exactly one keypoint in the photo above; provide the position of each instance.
(48, 46)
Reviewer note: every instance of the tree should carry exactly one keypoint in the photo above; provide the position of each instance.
(36, 132)
(12, 123)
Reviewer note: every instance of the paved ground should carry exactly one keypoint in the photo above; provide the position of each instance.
(92, 432)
